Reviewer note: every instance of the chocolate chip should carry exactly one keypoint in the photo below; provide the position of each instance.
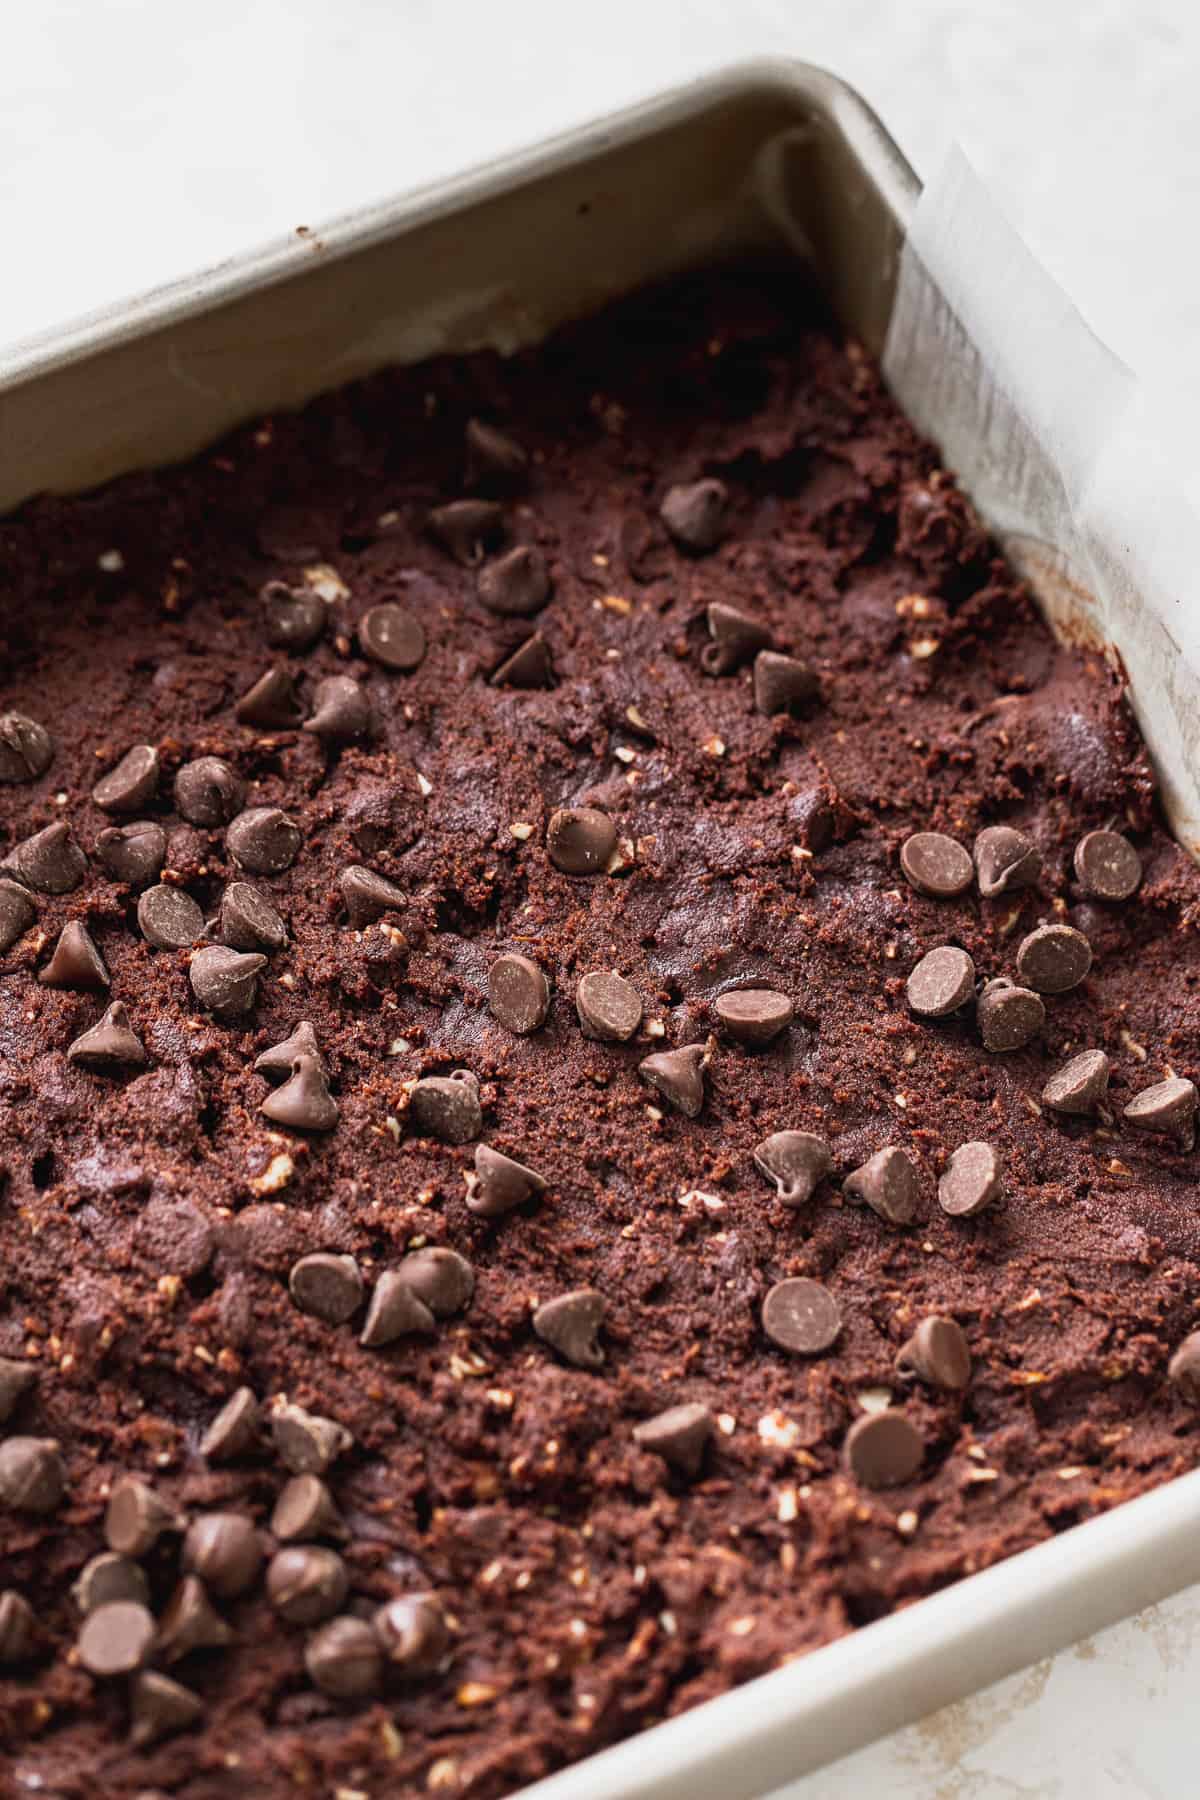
(305, 1509)
(447, 1107)
(159, 1707)
(392, 637)
(442, 1279)
(695, 512)
(517, 584)
(571, 1323)
(76, 962)
(942, 981)
(1009, 1017)
(495, 462)
(518, 993)
(413, 1633)
(306, 1443)
(1053, 959)
(169, 919)
(782, 684)
(368, 896)
(16, 1380)
(109, 1577)
(679, 1435)
(889, 1184)
(609, 1007)
(264, 840)
(17, 1628)
(225, 982)
(936, 1353)
(328, 1286)
(128, 786)
(294, 617)
(795, 1161)
(801, 1316)
(467, 529)
(133, 853)
(936, 865)
(290, 532)
(304, 1102)
(278, 1062)
(343, 712)
(32, 1476)
(580, 840)
(308, 1584)
(1081, 1085)
(529, 666)
(973, 1179)
(136, 1517)
(208, 792)
(1168, 1106)
(500, 1184)
(394, 1312)
(50, 861)
(1107, 866)
(17, 913)
(343, 1658)
(1183, 1370)
(734, 638)
(883, 1449)
(1005, 859)
(116, 1638)
(754, 1016)
(26, 748)
(272, 703)
(248, 921)
(234, 1431)
(191, 1622)
(110, 1045)
(224, 1550)
(679, 1077)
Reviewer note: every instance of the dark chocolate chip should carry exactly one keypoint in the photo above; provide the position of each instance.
(307, 1584)
(609, 1007)
(32, 1476)
(571, 1324)
(294, 617)
(734, 637)
(495, 463)
(1080, 1086)
(782, 684)
(368, 896)
(158, 1707)
(110, 1045)
(391, 636)
(225, 982)
(394, 1311)
(447, 1107)
(17, 913)
(1009, 1017)
(109, 1577)
(1053, 959)
(290, 532)
(343, 712)
(1107, 866)
(889, 1184)
(754, 1016)
(1005, 859)
(1183, 1370)
(467, 529)
(883, 1449)
(936, 865)
(327, 1285)
(278, 1062)
(248, 921)
(50, 861)
(343, 1658)
(695, 513)
(16, 1380)
(190, 1622)
(679, 1076)
(225, 1551)
(679, 1435)
(413, 1632)
(272, 703)
(936, 1353)
(500, 1184)
(796, 1161)
(133, 853)
(76, 962)
(305, 1509)
(136, 1517)
(518, 993)
(1168, 1106)
(116, 1638)
(973, 1179)
(517, 584)
(304, 1102)
(529, 666)
(234, 1431)
(942, 981)
(208, 792)
(580, 840)
(168, 918)
(26, 748)
(127, 788)
(306, 1443)
(264, 840)
(801, 1316)
(442, 1279)
(17, 1628)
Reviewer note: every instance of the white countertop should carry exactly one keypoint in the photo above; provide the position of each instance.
(141, 141)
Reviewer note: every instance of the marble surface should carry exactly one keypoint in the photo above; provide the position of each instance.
(140, 142)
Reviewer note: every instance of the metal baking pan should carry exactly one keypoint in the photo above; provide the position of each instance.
(772, 153)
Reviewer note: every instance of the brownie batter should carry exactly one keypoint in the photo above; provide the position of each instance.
(685, 636)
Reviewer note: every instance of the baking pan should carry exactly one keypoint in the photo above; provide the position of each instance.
(770, 154)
